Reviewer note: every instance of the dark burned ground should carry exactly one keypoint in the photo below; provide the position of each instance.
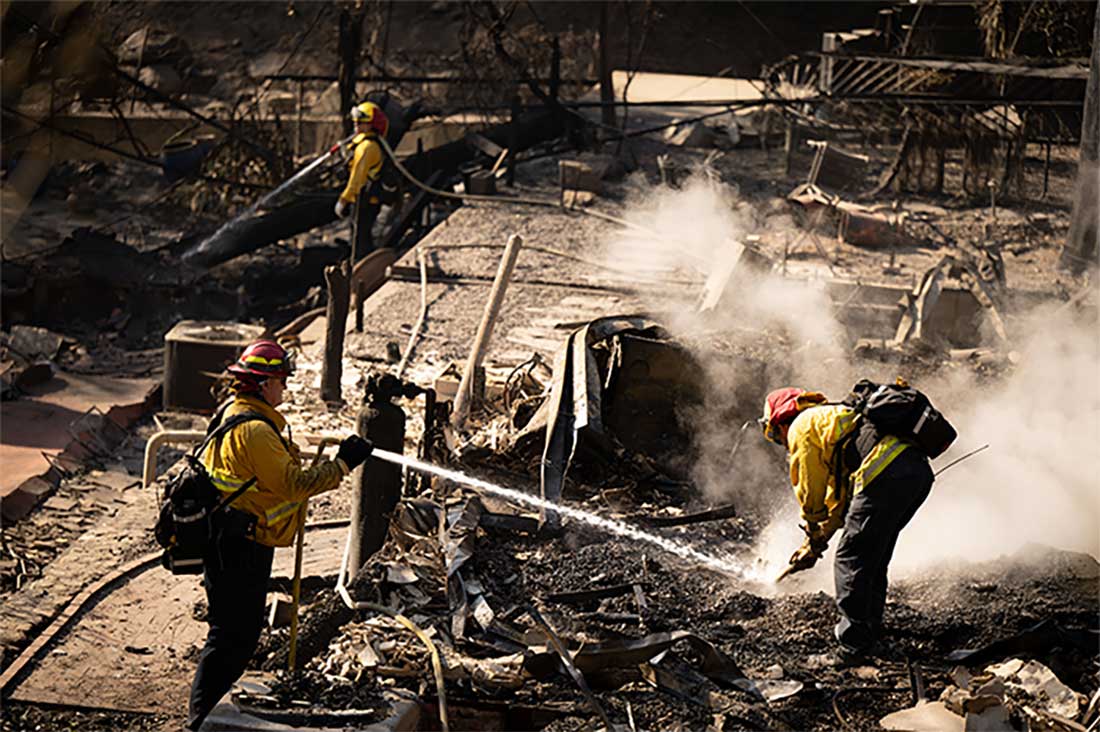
(928, 616)
(17, 717)
(965, 606)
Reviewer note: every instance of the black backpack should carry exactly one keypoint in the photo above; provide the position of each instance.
(193, 514)
(905, 412)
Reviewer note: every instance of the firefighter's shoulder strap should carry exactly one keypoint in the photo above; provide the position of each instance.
(218, 429)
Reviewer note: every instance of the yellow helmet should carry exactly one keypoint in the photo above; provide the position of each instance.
(372, 115)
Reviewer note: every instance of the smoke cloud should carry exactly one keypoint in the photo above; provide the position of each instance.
(1037, 482)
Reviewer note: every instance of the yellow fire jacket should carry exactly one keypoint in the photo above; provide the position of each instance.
(366, 165)
(282, 485)
(811, 444)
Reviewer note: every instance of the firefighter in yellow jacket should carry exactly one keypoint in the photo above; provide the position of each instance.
(846, 474)
(238, 567)
(364, 169)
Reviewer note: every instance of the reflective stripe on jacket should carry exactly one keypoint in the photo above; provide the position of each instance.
(811, 443)
(282, 485)
(366, 165)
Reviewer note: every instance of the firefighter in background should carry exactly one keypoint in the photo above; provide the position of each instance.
(365, 167)
(238, 566)
(871, 485)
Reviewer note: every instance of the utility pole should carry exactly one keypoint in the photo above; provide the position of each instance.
(349, 44)
(1080, 250)
(607, 89)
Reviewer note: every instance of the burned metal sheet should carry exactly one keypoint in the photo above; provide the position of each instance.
(919, 304)
(574, 405)
(1037, 639)
(713, 514)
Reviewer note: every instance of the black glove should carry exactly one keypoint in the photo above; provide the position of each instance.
(354, 451)
(815, 538)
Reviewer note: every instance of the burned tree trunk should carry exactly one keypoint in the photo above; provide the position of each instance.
(349, 43)
(339, 294)
(1079, 252)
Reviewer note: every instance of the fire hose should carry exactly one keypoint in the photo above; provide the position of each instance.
(524, 200)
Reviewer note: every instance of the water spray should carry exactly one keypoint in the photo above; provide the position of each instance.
(611, 526)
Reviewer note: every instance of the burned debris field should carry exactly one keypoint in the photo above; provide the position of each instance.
(480, 365)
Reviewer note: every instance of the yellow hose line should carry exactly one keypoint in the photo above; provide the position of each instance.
(437, 664)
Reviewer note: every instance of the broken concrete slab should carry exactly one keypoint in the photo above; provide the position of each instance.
(926, 717)
(41, 425)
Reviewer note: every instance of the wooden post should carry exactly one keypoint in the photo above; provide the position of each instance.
(1080, 250)
(607, 88)
(513, 142)
(348, 44)
(555, 70)
(789, 144)
(336, 312)
(298, 127)
(465, 394)
(1046, 172)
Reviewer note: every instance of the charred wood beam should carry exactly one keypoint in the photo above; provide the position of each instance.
(410, 213)
(339, 293)
(714, 514)
(598, 593)
(247, 235)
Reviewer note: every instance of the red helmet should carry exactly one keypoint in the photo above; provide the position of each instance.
(263, 359)
(372, 115)
(782, 406)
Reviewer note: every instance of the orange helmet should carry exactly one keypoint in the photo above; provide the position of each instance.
(263, 359)
(372, 115)
(782, 406)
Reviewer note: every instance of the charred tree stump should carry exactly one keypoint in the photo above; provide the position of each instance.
(339, 295)
(1080, 250)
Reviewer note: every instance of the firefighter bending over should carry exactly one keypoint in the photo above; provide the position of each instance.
(872, 489)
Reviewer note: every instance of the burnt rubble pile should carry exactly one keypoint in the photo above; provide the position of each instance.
(538, 624)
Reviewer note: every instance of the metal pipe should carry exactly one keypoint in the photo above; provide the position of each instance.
(415, 335)
(152, 447)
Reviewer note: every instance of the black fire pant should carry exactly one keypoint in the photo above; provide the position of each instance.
(237, 573)
(365, 214)
(876, 516)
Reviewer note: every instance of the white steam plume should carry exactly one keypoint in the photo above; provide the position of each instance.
(1037, 483)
